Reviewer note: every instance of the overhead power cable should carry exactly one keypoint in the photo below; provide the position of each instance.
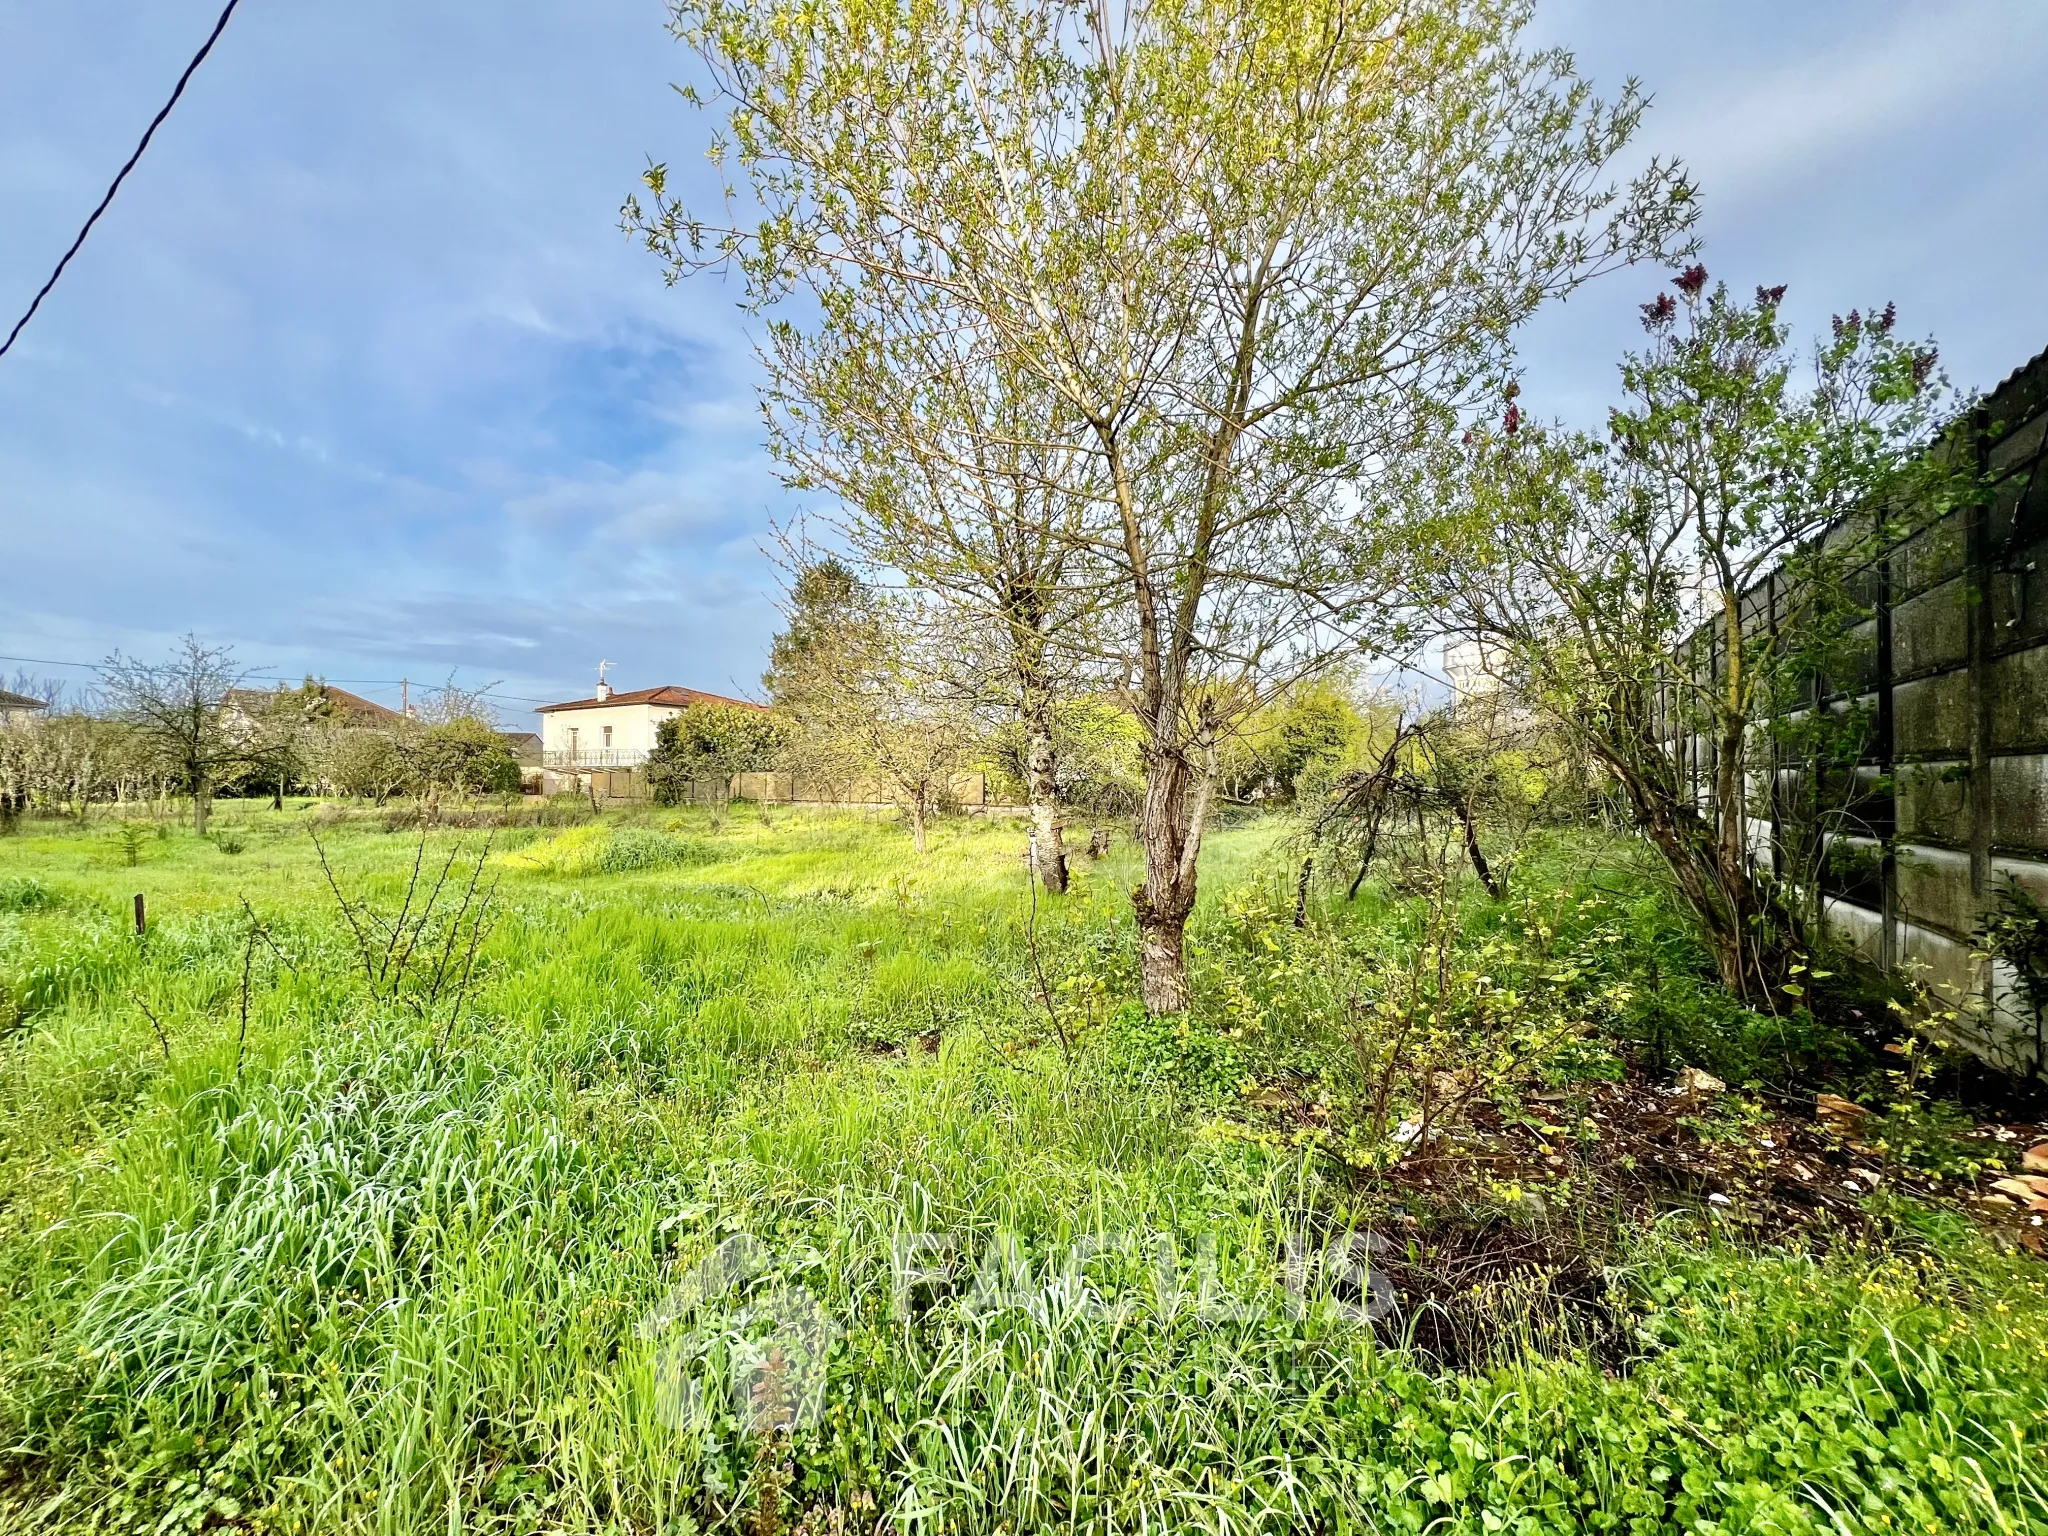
(121, 175)
(272, 673)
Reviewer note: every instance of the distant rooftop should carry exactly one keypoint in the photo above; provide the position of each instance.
(524, 745)
(353, 708)
(668, 696)
(20, 701)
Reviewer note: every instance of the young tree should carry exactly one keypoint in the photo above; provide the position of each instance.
(1249, 249)
(860, 697)
(1619, 583)
(179, 707)
(711, 741)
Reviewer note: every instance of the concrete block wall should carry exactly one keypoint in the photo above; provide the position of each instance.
(1951, 673)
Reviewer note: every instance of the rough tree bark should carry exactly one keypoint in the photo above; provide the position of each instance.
(1042, 789)
(918, 813)
(1170, 822)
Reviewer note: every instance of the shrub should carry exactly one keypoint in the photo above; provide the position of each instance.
(463, 756)
(24, 894)
(601, 850)
(710, 741)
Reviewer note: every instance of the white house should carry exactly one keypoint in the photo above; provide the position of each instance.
(1473, 669)
(611, 729)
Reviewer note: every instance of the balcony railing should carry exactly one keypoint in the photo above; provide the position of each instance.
(593, 757)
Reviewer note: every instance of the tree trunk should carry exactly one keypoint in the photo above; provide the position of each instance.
(1753, 939)
(918, 838)
(1042, 786)
(202, 802)
(1479, 864)
(1170, 828)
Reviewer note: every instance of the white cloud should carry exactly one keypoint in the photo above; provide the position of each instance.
(1756, 134)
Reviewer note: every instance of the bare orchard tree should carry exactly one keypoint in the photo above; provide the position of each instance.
(178, 706)
(1251, 249)
(361, 761)
(452, 702)
(62, 762)
(52, 693)
(278, 730)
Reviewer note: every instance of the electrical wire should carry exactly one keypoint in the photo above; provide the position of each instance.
(120, 176)
(261, 672)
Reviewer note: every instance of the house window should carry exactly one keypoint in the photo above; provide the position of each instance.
(607, 738)
(572, 741)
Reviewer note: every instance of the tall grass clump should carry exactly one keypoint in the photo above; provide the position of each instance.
(604, 850)
(23, 893)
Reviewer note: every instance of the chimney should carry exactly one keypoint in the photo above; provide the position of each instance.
(604, 689)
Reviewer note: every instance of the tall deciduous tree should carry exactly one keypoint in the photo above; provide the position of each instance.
(179, 707)
(962, 476)
(1251, 249)
(1617, 583)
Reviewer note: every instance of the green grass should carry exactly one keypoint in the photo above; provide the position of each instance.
(360, 1267)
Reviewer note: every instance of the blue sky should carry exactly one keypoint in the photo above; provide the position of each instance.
(359, 375)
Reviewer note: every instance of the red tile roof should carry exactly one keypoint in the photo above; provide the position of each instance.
(352, 708)
(668, 696)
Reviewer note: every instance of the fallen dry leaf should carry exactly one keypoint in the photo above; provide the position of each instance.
(2027, 1187)
(1837, 1113)
(2035, 1159)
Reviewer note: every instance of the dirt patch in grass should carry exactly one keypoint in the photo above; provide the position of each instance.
(1475, 1294)
(1807, 1170)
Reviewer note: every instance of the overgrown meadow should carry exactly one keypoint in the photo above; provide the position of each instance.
(373, 1189)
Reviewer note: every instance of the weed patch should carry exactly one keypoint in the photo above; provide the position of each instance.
(1408, 1224)
(602, 850)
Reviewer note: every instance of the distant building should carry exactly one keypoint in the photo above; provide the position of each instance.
(342, 708)
(611, 730)
(19, 707)
(1472, 669)
(524, 746)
